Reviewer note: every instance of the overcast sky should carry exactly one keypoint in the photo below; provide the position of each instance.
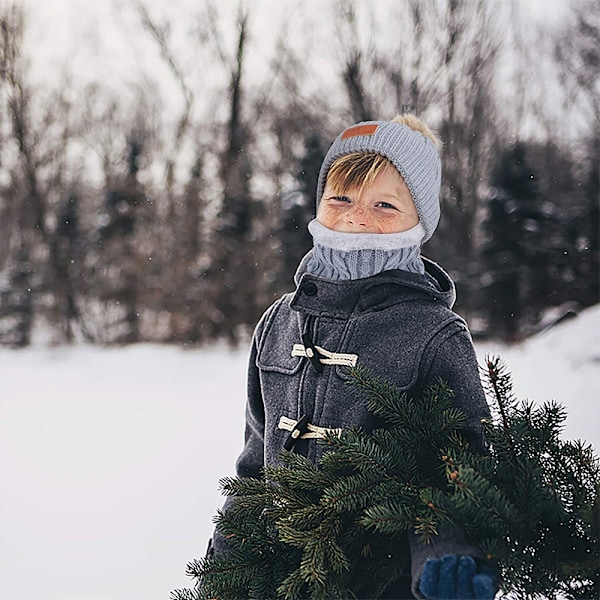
(98, 35)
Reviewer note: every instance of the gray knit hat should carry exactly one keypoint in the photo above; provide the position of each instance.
(414, 155)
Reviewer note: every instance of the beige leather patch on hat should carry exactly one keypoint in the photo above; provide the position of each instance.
(359, 130)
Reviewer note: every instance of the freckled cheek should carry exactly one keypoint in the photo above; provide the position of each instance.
(322, 210)
(326, 216)
(397, 223)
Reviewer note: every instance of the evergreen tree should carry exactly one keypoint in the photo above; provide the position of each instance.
(185, 261)
(583, 231)
(66, 246)
(298, 208)
(16, 301)
(120, 280)
(339, 529)
(520, 255)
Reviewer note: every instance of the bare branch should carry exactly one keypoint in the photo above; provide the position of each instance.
(160, 36)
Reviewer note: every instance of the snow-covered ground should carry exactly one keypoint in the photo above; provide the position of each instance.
(109, 459)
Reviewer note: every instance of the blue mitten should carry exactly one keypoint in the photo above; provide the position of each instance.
(457, 578)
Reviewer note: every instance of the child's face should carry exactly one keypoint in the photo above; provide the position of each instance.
(385, 207)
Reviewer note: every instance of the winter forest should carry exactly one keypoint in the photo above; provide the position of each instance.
(168, 202)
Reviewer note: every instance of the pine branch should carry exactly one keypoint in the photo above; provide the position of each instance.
(499, 385)
(338, 529)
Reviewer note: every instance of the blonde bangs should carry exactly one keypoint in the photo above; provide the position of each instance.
(356, 170)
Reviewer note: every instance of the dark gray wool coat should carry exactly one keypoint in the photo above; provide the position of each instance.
(397, 324)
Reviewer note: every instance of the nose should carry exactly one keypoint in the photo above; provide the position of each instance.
(357, 216)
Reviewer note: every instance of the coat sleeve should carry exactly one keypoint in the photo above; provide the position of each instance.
(251, 460)
(452, 358)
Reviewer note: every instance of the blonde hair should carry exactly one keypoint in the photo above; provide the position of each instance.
(356, 170)
(359, 169)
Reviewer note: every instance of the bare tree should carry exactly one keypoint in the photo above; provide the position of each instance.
(234, 234)
(577, 55)
(160, 34)
(353, 61)
(468, 125)
(11, 33)
(40, 172)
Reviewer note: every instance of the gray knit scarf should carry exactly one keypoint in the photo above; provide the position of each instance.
(339, 255)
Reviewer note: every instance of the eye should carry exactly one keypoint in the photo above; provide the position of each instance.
(341, 198)
(386, 205)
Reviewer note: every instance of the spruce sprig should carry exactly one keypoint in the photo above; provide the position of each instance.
(339, 529)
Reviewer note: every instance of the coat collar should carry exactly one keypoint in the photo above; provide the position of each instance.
(341, 298)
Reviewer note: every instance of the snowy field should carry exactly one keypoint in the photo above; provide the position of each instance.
(109, 459)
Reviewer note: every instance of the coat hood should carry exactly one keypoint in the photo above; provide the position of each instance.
(435, 283)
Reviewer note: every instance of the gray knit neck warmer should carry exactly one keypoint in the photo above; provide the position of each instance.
(339, 255)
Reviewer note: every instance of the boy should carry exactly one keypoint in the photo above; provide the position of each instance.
(366, 296)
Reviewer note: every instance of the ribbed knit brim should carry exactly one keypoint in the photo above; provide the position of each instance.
(414, 155)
